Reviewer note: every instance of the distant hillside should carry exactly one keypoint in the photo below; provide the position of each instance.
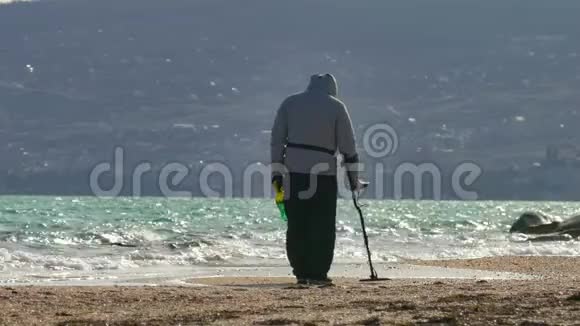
(493, 82)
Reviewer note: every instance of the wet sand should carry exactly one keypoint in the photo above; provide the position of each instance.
(547, 267)
(552, 298)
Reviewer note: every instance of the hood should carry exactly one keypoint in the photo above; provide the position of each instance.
(323, 84)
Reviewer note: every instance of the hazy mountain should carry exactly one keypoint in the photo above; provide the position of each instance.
(493, 82)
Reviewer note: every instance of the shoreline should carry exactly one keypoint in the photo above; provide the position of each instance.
(552, 267)
(184, 275)
(547, 298)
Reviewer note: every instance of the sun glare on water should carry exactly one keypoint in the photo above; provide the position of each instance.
(3, 2)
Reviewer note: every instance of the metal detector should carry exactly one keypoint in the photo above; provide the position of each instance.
(374, 277)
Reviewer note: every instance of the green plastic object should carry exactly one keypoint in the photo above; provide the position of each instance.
(282, 211)
(280, 201)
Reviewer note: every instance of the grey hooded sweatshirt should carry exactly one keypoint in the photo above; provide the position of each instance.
(311, 128)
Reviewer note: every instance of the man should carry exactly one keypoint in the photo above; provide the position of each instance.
(309, 129)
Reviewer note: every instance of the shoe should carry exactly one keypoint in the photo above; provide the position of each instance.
(302, 281)
(323, 281)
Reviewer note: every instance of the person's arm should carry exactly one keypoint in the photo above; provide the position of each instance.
(278, 140)
(346, 143)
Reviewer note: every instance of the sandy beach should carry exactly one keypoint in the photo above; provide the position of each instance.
(552, 297)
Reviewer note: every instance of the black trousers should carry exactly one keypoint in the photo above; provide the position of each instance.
(311, 210)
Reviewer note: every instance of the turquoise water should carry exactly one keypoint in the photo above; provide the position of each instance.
(48, 235)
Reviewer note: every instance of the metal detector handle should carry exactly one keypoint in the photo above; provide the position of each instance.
(362, 186)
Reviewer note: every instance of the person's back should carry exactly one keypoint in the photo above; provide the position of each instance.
(309, 129)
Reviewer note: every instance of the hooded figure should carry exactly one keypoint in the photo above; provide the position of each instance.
(311, 128)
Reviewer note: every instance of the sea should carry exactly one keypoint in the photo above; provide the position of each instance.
(89, 239)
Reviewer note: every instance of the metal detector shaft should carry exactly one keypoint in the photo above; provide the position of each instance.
(374, 275)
